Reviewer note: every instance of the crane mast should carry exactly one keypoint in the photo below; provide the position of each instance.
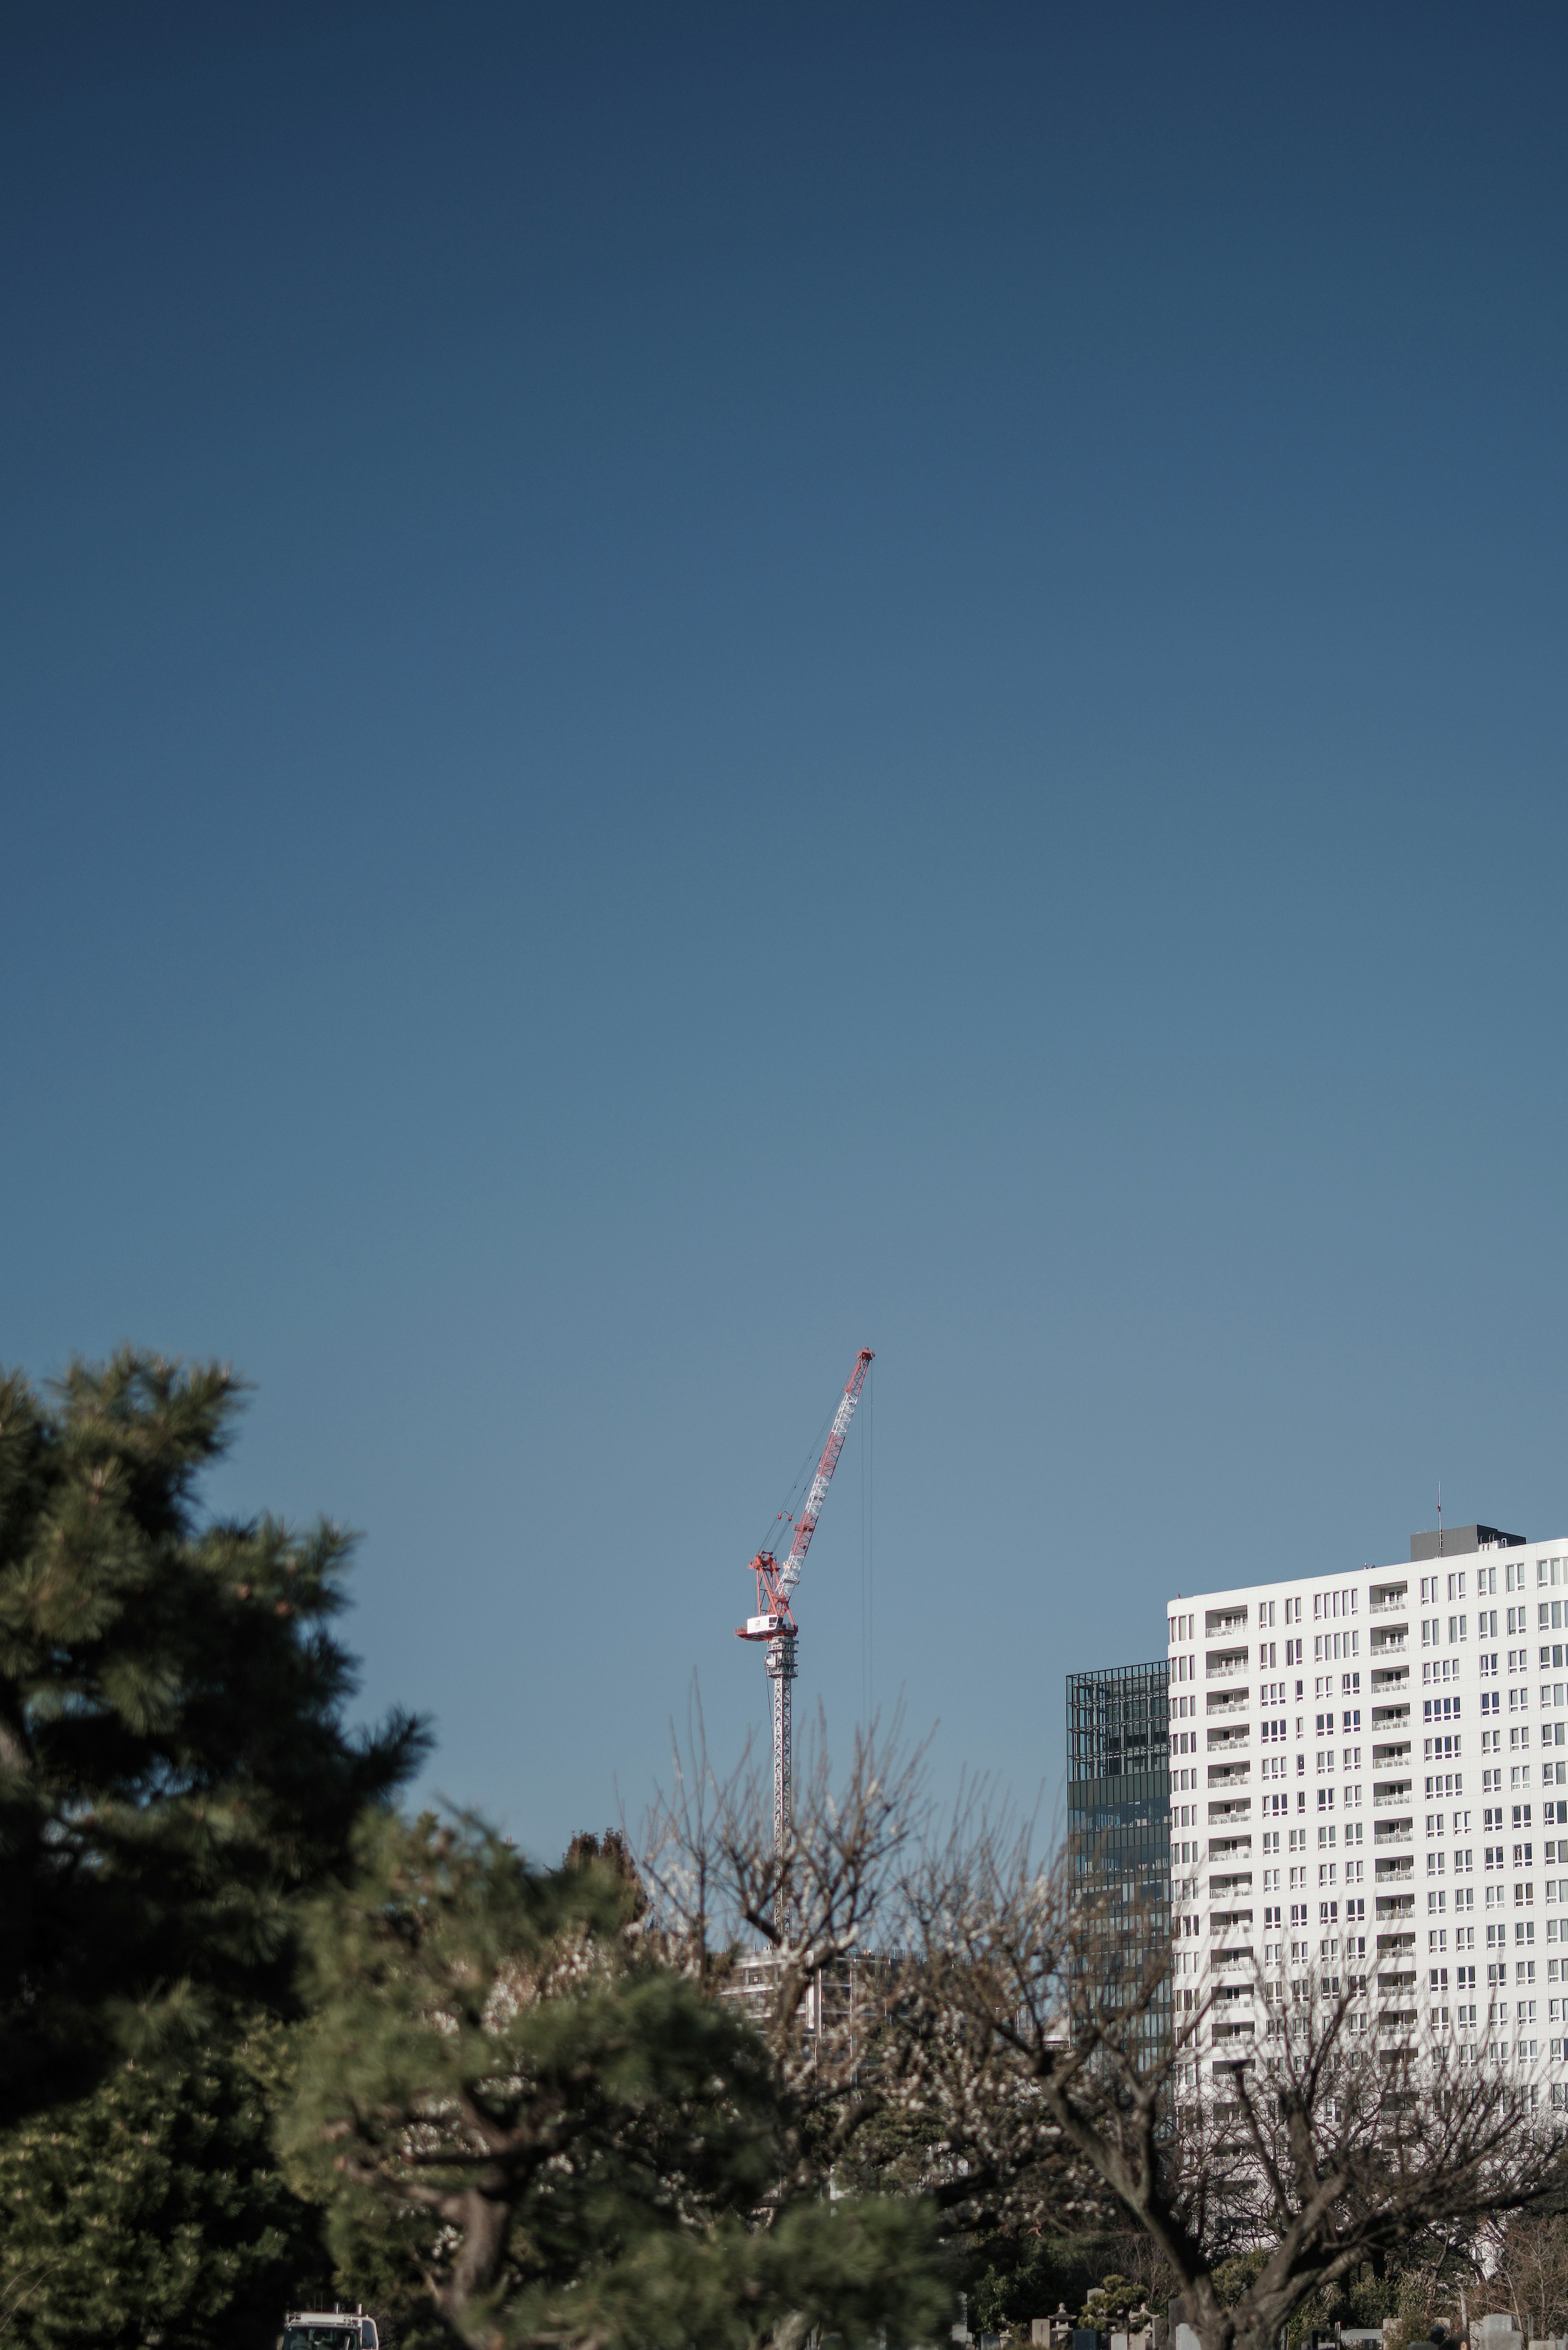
(774, 1624)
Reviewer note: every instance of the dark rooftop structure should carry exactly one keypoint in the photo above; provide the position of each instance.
(1453, 1542)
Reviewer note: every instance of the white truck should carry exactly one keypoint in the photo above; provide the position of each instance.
(328, 2329)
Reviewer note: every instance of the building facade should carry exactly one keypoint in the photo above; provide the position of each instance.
(1118, 1811)
(1369, 1780)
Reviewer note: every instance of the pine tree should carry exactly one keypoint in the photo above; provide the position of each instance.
(175, 1773)
(509, 2099)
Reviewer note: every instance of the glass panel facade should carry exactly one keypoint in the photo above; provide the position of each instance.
(1118, 1811)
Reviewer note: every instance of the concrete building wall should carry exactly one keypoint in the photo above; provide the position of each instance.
(1369, 1778)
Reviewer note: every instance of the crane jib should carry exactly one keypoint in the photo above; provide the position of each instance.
(806, 1526)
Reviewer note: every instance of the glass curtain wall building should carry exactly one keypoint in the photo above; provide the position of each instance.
(1118, 1814)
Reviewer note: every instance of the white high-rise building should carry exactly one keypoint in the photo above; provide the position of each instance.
(1370, 1780)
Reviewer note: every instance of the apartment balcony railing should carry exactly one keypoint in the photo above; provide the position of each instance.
(1228, 1668)
(1382, 1837)
(1388, 1644)
(1220, 1706)
(1400, 1607)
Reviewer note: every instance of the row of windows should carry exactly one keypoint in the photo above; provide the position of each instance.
(1457, 1584)
(1458, 1628)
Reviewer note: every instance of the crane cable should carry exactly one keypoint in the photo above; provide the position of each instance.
(799, 1483)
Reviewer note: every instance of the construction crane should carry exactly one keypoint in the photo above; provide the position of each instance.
(775, 1623)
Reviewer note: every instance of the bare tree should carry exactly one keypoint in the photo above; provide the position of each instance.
(821, 1986)
(1530, 2276)
(1307, 2140)
(891, 2086)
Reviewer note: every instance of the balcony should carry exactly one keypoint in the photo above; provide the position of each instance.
(1220, 1739)
(1393, 1602)
(1390, 1872)
(1230, 1667)
(1387, 1644)
(1226, 1703)
(1221, 1621)
(1229, 1774)
(1391, 1906)
(1396, 1831)
(1396, 1799)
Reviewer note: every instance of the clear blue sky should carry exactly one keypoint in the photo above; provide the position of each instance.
(683, 688)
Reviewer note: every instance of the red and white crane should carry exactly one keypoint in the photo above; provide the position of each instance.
(774, 1619)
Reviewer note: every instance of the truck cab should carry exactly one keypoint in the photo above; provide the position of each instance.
(328, 2329)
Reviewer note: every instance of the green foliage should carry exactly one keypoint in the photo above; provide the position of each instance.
(1109, 2303)
(1015, 2276)
(1411, 2296)
(152, 2208)
(1232, 2277)
(504, 2092)
(174, 1771)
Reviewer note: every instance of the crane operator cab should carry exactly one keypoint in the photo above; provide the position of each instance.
(328, 2329)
